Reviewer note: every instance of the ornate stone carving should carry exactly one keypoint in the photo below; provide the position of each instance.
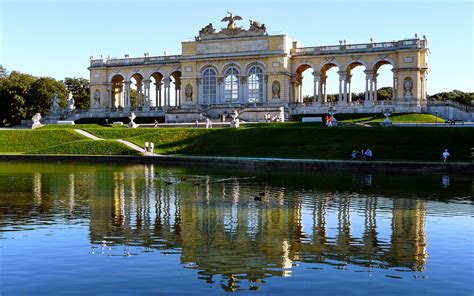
(257, 27)
(235, 122)
(36, 121)
(208, 32)
(231, 21)
(70, 104)
(276, 90)
(329, 59)
(408, 87)
(188, 92)
(55, 109)
(209, 29)
(97, 98)
(356, 57)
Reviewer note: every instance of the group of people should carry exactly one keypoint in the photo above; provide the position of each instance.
(362, 155)
(329, 120)
(271, 118)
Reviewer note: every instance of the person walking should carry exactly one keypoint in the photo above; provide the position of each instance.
(445, 155)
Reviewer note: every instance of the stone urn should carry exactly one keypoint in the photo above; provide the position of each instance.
(387, 121)
(132, 124)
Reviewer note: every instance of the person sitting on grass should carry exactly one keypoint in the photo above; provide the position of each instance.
(368, 154)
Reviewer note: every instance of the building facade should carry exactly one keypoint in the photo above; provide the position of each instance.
(255, 72)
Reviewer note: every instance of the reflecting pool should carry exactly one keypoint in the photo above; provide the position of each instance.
(89, 229)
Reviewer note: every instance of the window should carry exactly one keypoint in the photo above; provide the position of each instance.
(209, 86)
(255, 82)
(231, 85)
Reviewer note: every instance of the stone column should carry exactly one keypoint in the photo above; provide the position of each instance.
(369, 88)
(341, 98)
(349, 91)
(146, 89)
(316, 88)
(265, 87)
(394, 87)
(243, 85)
(166, 85)
(109, 95)
(375, 86)
(126, 103)
(220, 90)
(293, 89)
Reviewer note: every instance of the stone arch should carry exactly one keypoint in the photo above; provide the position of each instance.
(117, 91)
(175, 87)
(236, 65)
(355, 63)
(208, 65)
(156, 88)
(134, 73)
(382, 61)
(302, 79)
(255, 63)
(137, 98)
(326, 65)
(111, 76)
(303, 63)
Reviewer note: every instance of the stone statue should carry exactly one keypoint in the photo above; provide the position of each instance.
(276, 90)
(188, 92)
(36, 121)
(55, 109)
(97, 98)
(257, 27)
(209, 29)
(408, 86)
(235, 122)
(231, 21)
(70, 104)
(132, 124)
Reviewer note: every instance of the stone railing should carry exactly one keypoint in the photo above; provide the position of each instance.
(363, 47)
(136, 61)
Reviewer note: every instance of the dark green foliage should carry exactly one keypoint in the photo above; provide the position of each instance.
(23, 95)
(465, 98)
(80, 89)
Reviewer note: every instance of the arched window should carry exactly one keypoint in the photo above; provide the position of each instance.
(231, 85)
(209, 86)
(255, 82)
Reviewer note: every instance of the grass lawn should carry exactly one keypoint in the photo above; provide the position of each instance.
(88, 147)
(19, 141)
(309, 141)
(396, 118)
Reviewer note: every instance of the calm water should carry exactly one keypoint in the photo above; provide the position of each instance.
(81, 229)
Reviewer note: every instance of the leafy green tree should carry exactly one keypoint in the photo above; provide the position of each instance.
(14, 93)
(42, 93)
(384, 93)
(80, 89)
(465, 98)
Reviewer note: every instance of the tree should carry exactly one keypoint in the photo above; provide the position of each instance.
(14, 92)
(80, 89)
(384, 93)
(465, 98)
(42, 93)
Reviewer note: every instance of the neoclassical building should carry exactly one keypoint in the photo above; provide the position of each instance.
(250, 70)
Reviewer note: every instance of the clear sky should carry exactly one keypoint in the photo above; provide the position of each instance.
(56, 37)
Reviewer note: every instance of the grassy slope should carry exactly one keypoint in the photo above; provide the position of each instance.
(396, 118)
(394, 143)
(18, 141)
(88, 147)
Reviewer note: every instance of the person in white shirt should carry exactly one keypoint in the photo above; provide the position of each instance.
(445, 155)
(368, 154)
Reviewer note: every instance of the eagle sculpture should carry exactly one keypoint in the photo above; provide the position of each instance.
(231, 19)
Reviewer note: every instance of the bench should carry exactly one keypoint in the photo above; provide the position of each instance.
(65, 122)
(454, 121)
(312, 119)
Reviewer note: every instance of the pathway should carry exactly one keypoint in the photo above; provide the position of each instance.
(129, 144)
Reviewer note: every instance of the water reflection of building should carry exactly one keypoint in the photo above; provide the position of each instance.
(220, 230)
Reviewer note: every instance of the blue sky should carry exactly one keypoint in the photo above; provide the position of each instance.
(56, 38)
